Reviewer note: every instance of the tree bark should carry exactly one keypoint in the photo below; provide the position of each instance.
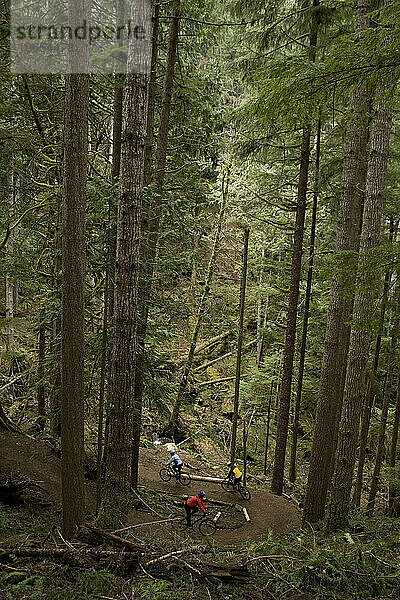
(115, 499)
(266, 446)
(296, 417)
(73, 281)
(329, 403)
(393, 489)
(260, 306)
(246, 234)
(8, 283)
(103, 367)
(385, 410)
(366, 286)
(291, 320)
(369, 399)
(40, 390)
(111, 237)
(153, 211)
(290, 335)
(396, 424)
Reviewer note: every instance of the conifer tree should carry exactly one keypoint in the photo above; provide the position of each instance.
(337, 331)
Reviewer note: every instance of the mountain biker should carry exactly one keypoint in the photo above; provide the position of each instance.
(193, 504)
(234, 473)
(175, 462)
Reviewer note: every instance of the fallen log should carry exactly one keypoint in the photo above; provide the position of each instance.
(217, 381)
(174, 554)
(211, 342)
(115, 538)
(246, 514)
(205, 478)
(215, 360)
(76, 557)
(228, 573)
(157, 491)
(145, 525)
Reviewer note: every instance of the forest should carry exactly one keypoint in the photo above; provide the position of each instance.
(200, 300)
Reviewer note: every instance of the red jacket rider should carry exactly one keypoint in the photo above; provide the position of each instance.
(193, 504)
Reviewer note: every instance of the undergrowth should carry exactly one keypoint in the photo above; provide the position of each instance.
(343, 566)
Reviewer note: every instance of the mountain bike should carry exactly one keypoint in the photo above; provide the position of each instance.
(167, 473)
(229, 485)
(205, 525)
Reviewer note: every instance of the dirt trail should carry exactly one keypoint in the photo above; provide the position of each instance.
(37, 461)
(266, 510)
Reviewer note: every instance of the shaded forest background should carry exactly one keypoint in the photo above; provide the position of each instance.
(283, 123)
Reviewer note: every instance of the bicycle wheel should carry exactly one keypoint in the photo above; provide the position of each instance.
(244, 492)
(182, 524)
(227, 485)
(185, 479)
(207, 527)
(165, 474)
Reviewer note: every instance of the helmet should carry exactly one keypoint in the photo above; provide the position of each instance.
(172, 451)
(228, 464)
(201, 494)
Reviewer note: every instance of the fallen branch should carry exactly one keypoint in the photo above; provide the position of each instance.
(211, 342)
(173, 554)
(189, 567)
(157, 491)
(115, 538)
(274, 557)
(68, 556)
(146, 505)
(146, 524)
(216, 381)
(229, 572)
(219, 358)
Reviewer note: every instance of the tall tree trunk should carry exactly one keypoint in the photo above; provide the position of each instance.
(393, 489)
(260, 306)
(385, 410)
(291, 319)
(111, 237)
(329, 403)
(293, 449)
(40, 374)
(114, 504)
(366, 285)
(153, 211)
(73, 281)
(103, 367)
(396, 424)
(55, 340)
(145, 274)
(266, 446)
(243, 281)
(111, 241)
(173, 424)
(8, 282)
(290, 336)
(369, 400)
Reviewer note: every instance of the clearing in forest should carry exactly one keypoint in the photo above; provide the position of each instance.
(32, 459)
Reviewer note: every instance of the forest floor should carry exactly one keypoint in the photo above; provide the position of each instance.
(23, 456)
(244, 561)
